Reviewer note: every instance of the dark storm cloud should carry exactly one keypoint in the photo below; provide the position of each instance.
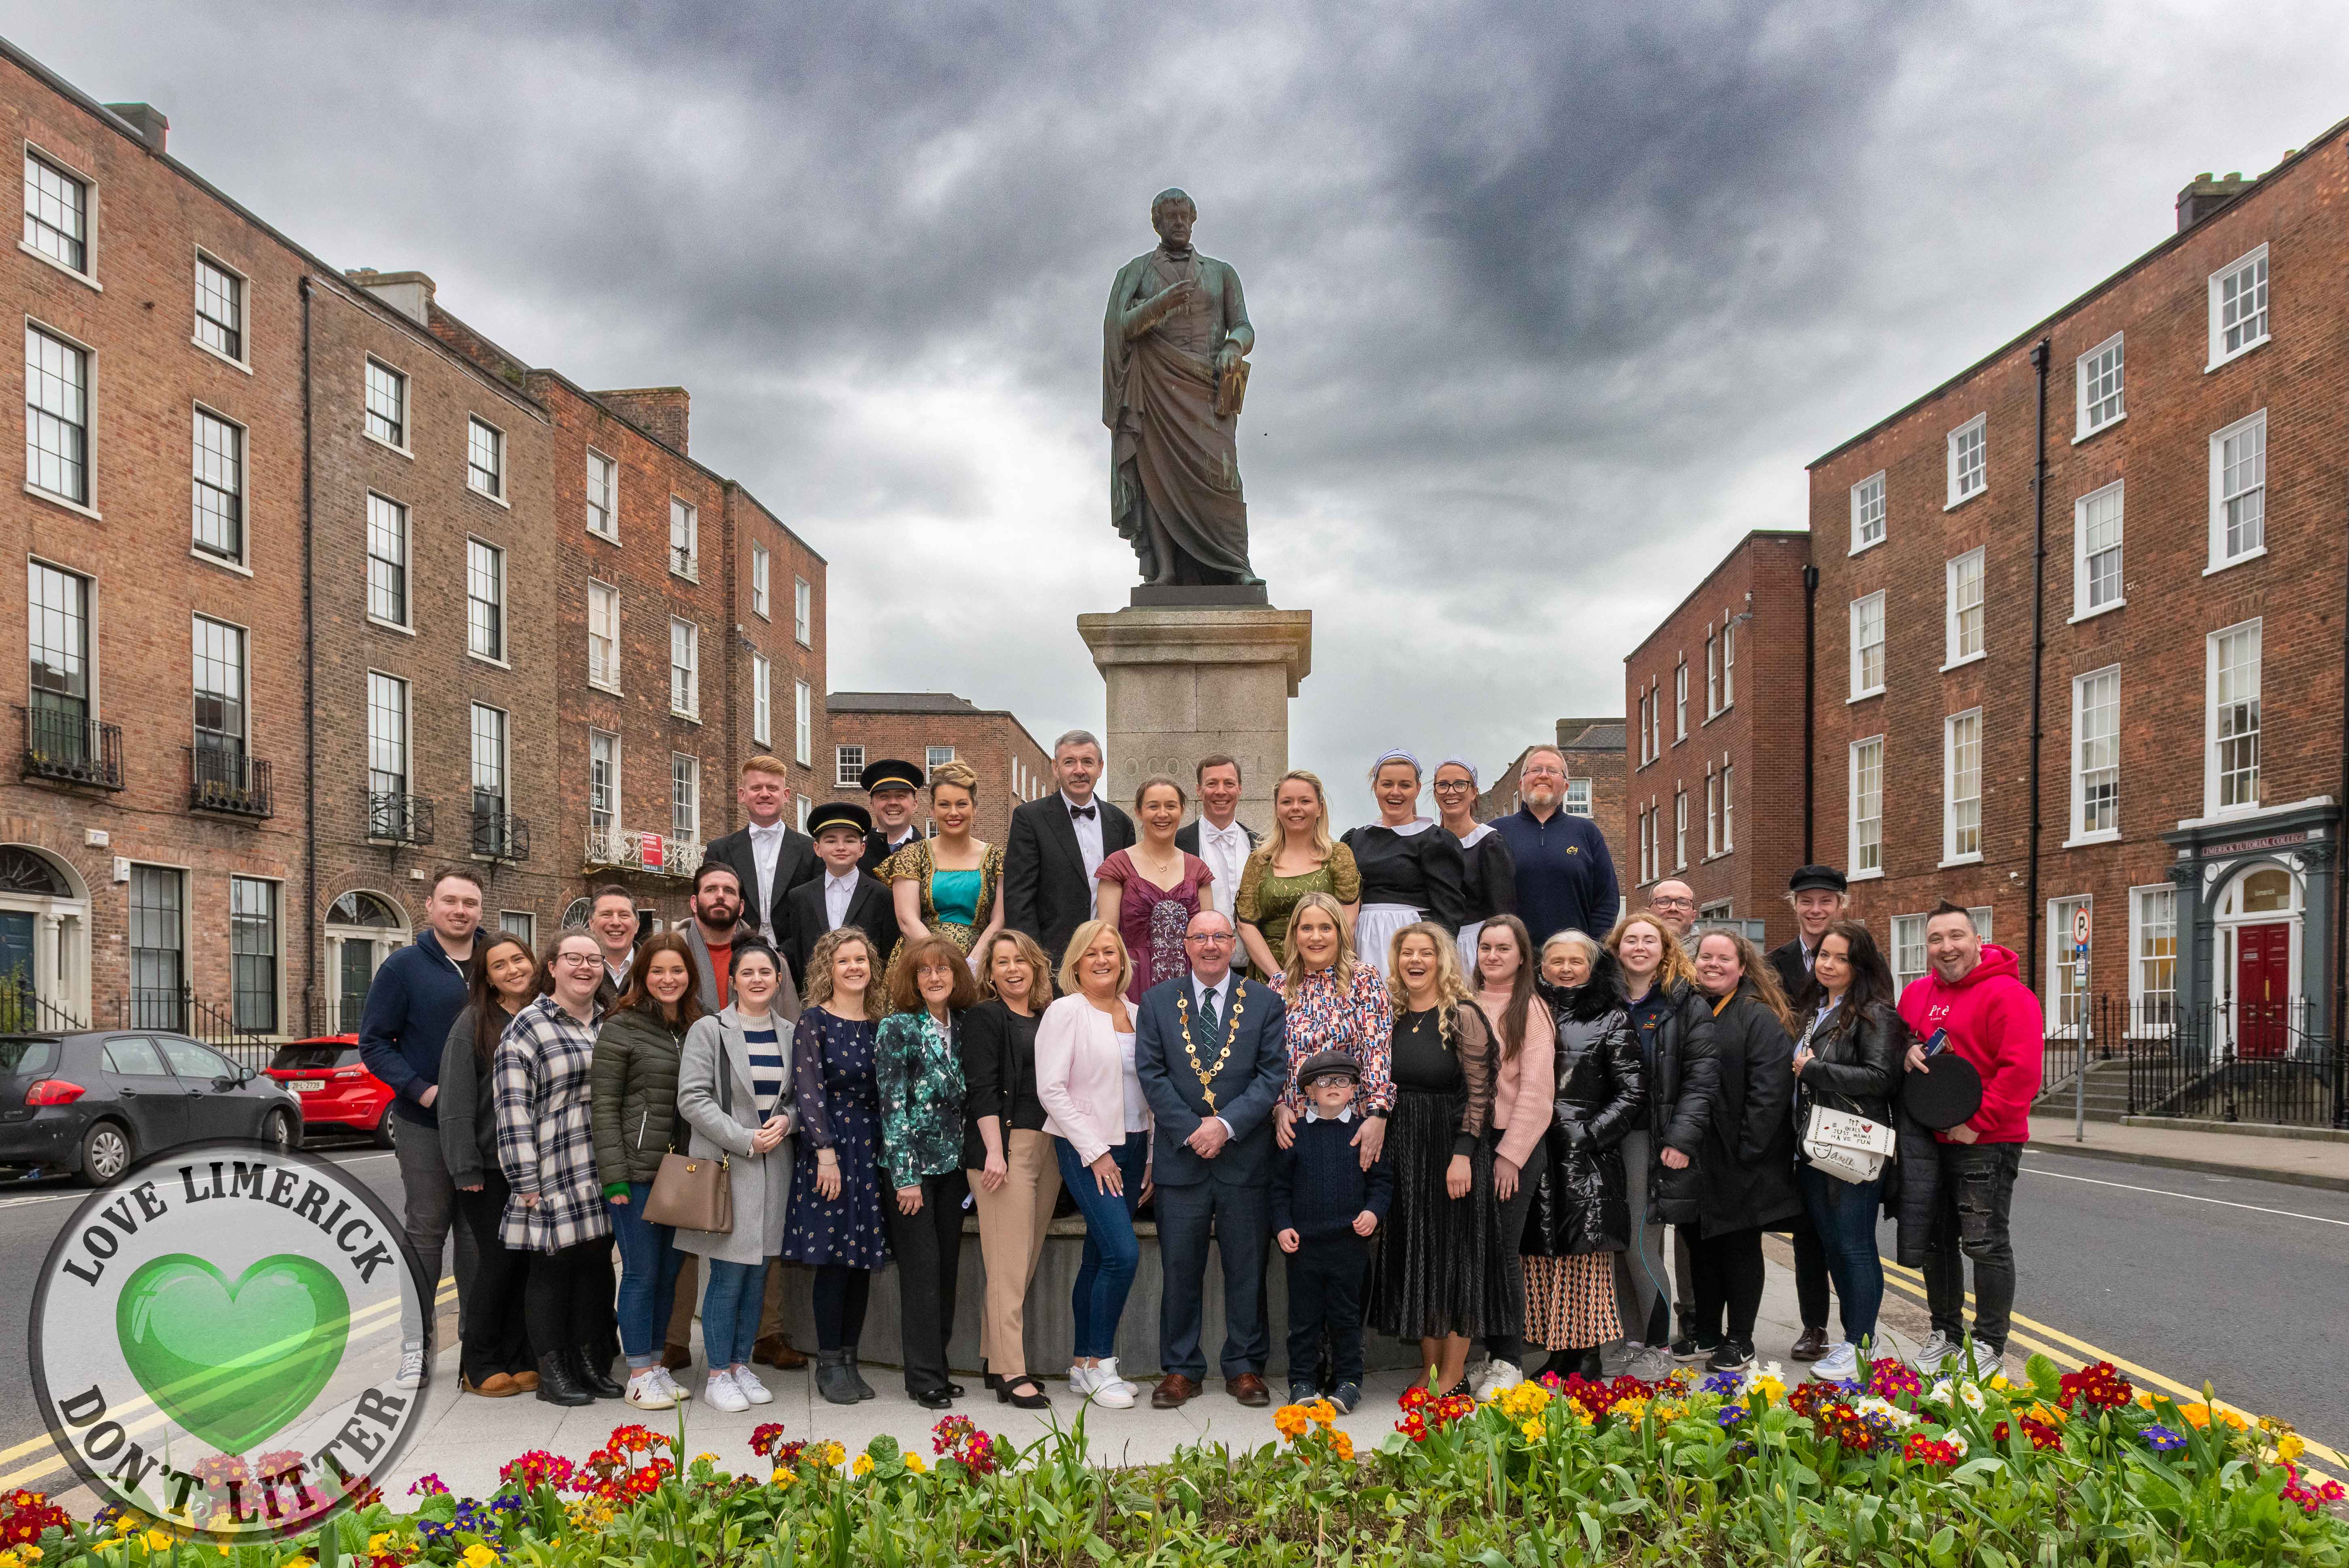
(1553, 300)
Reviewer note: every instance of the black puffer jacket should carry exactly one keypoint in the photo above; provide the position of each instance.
(1748, 1164)
(1579, 1205)
(1683, 1088)
(1856, 1061)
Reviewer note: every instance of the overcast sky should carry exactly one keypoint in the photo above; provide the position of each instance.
(1553, 300)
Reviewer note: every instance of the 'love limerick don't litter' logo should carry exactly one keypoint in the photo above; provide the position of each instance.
(215, 1338)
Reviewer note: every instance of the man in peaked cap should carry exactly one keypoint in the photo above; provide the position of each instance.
(892, 785)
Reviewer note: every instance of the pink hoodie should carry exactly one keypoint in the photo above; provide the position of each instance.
(1994, 1022)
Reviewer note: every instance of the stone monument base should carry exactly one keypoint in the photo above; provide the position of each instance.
(1187, 683)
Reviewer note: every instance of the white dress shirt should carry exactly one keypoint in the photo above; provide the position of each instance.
(766, 849)
(1089, 832)
(1226, 851)
(1315, 1113)
(837, 892)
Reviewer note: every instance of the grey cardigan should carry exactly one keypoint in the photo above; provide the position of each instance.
(469, 1124)
(761, 1182)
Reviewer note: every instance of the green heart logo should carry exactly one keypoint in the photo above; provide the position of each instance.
(232, 1364)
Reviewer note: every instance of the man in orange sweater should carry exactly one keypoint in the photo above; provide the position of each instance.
(1991, 1019)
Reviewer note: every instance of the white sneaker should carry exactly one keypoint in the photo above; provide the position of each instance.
(645, 1392)
(1840, 1363)
(411, 1367)
(669, 1385)
(1081, 1378)
(1987, 1362)
(1498, 1375)
(1112, 1393)
(1933, 1352)
(750, 1388)
(1651, 1364)
(721, 1393)
(1106, 1376)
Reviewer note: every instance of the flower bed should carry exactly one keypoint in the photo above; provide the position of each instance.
(2076, 1468)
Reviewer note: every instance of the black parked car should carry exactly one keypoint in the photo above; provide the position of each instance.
(88, 1105)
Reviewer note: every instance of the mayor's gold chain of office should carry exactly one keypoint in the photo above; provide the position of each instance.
(1231, 1032)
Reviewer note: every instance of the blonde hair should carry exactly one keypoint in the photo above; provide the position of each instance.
(1082, 938)
(761, 762)
(819, 975)
(1451, 990)
(1292, 974)
(1323, 844)
(1040, 968)
(955, 771)
(1674, 967)
(1765, 979)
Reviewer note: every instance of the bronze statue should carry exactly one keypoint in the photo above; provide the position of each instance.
(1173, 378)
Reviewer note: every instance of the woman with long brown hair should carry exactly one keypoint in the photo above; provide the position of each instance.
(1297, 857)
(494, 1358)
(1007, 1155)
(917, 1067)
(1525, 1072)
(1435, 1278)
(632, 1109)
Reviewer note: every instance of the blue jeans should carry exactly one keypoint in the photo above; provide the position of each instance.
(649, 1265)
(730, 1310)
(1844, 1215)
(1112, 1254)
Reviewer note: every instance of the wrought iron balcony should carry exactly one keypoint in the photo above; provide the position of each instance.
(65, 747)
(685, 563)
(395, 819)
(652, 854)
(230, 783)
(500, 835)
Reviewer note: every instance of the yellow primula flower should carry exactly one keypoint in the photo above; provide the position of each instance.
(2290, 1446)
(833, 1453)
(784, 1480)
(159, 1540)
(379, 1543)
(1667, 1411)
(1766, 1388)
(864, 1465)
(1342, 1446)
(1998, 1381)
(8, 1560)
(1324, 1413)
(914, 1462)
(1290, 1421)
(1532, 1431)
(479, 1556)
(1632, 1409)
(704, 1458)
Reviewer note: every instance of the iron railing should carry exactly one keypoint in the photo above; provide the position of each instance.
(685, 563)
(2220, 1061)
(68, 748)
(229, 782)
(23, 1011)
(613, 849)
(500, 835)
(179, 1010)
(397, 819)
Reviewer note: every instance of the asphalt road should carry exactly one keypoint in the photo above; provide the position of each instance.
(2238, 1280)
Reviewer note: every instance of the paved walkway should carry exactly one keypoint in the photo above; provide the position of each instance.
(2302, 1161)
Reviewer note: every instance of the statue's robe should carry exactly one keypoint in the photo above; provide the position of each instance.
(1172, 458)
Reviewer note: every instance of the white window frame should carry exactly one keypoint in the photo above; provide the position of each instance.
(1712, 675)
(1860, 689)
(607, 840)
(684, 560)
(1902, 927)
(2219, 558)
(2086, 689)
(604, 664)
(81, 355)
(803, 723)
(1864, 835)
(2061, 986)
(406, 710)
(2255, 260)
(1956, 572)
(2210, 739)
(398, 383)
(2089, 373)
(496, 488)
(239, 292)
(1979, 914)
(762, 703)
(1711, 813)
(404, 531)
(1647, 845)
(1954, 826)
(1680, 827)
(804, 612)
(1679, 701)
(1869, 509)
(1728, 807)
(604, 473)
(687, 674)
(1728, 663)
(2084, 575)
(760, 568)
(1973, 434)
(685, 797)
(2141, 1024)
(1577, 797)
(496, 655)
(845, 774)
(240, 455)
(88, 239)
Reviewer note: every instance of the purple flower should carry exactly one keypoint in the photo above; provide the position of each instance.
(1723, 1383)
(2161, 1440)
(1732, 1414)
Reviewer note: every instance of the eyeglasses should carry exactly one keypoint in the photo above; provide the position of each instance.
(580, 960)
(1331, 1080)
(1454, 784)
(1208, 938)
(1672, 901)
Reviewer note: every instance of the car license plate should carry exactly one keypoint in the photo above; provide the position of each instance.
(307, 1086)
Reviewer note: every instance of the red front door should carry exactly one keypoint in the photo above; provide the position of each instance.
(2262, 988)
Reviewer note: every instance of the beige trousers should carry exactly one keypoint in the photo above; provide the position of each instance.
(1012, 1222)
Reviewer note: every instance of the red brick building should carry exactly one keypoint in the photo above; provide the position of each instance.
(1593, 749)
(927, 728)
(2145, 721)
(1715, 695)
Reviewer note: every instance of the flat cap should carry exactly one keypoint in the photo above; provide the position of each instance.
(1806, 878)
(1324, 1062)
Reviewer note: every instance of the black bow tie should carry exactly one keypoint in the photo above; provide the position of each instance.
(1087, 812)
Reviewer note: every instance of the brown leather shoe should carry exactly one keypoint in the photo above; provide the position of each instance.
(1248, 1389)
(1810, 1346)
(496, 1385)
(1172, 1391)
(775, 1350)
(676, 1357)
(526, 1381)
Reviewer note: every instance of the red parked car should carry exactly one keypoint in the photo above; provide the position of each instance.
(337, 1094)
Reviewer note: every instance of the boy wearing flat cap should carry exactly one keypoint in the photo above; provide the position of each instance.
(1325, 1207)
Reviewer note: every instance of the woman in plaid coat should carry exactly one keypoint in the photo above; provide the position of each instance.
(546, 1149)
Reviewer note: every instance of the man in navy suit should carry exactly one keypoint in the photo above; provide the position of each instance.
(1211, 1049)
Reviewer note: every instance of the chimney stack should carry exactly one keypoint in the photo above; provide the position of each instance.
(151, 124)
(410, 293)
(2205, 194)
(665, 413)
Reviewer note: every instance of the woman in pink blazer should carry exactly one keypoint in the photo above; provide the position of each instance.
(1100, 1133)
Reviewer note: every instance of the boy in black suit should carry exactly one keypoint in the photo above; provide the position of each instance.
(1325, 1207)
(839, 894)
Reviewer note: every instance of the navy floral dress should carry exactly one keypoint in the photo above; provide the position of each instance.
(839, 1103)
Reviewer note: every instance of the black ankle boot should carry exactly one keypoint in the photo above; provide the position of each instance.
(557, 1384)
(595, 1379)
(856, 1378)
(832, 1378)
(1591, 1364)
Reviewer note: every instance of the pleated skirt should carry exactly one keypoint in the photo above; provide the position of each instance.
(1437, 1268)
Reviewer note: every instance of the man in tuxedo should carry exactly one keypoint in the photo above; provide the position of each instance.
(1057, 844)
(893, 787)
(841, 895)
(768, 857)
(1219, 837)
(1211, 1048)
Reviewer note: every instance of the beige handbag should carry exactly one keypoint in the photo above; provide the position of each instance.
(696, 1192)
